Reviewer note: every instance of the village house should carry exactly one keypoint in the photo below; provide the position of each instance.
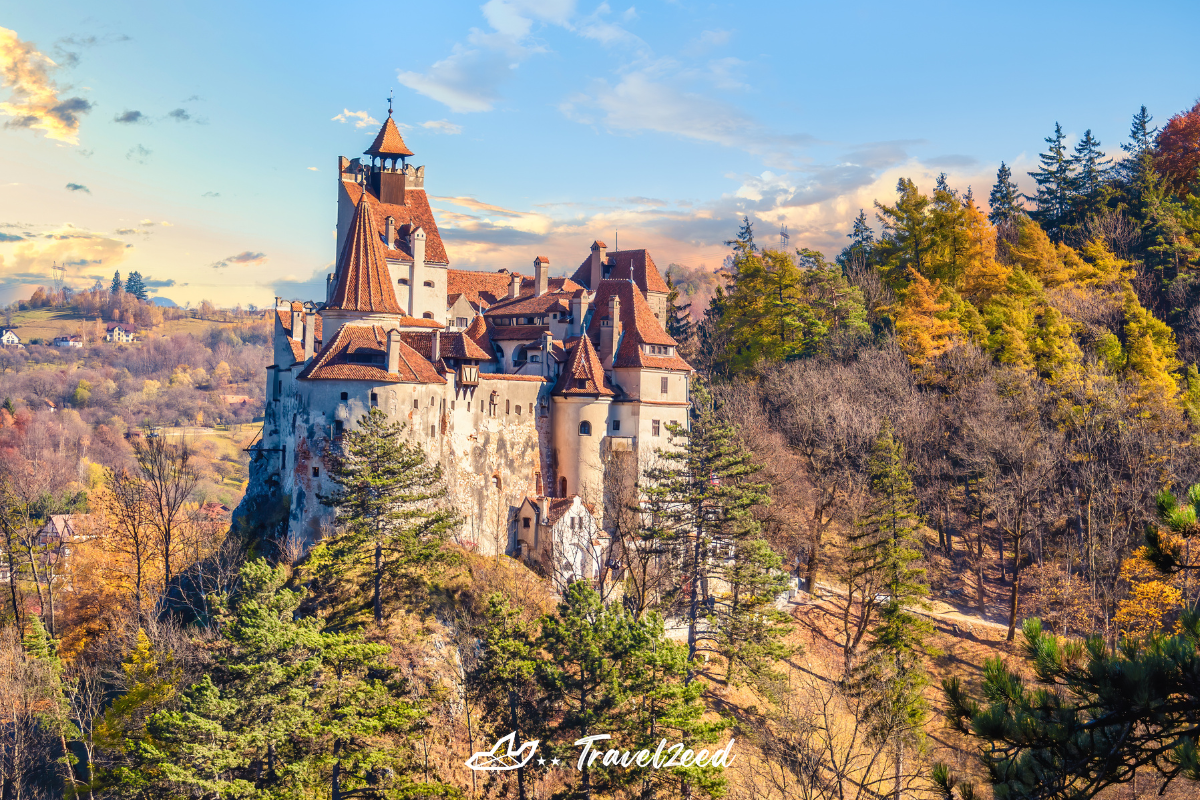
(68, 341)
(119, 332)
(9, 338)
(531, 391)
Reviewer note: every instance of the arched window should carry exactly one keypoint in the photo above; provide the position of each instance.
(428, 315)
(562, 487)
(403, 281)
(429, 284)
(585, 428)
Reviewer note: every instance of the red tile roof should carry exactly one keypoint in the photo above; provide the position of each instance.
(477, 332)
(388, 142)
(639, 326)
(504, 376)
(532, 304)
(415, 212)
(285, 317)
(625, 264)
(516, 333)
(489, 288)
(452, 345)
(337, 362)
(583, 374)
(363, 282)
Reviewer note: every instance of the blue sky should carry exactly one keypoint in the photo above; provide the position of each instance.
(206, 134)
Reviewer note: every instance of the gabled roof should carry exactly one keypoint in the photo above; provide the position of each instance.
(363, 282)
(532, 304)
(388, 142)
(413, 214)
(285, 319)
(583, 373)
(625, 264)
(639, 326)
(337, 361)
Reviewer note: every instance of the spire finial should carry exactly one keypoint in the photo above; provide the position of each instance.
(390, 92)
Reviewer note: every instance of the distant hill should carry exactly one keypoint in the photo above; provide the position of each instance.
(164, 301)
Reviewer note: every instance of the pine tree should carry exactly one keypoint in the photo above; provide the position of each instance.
(948, 220)
(388, 505)
(617, 675)
(135, 286)
(680, 325)
(287, 710)
(744, 243)
(1055, 185)
(892, 672)
(697, 500)
(117, 286)
(1091, 173)
(858, 254)
(1005, 199)
(908, 235)
(747, 627)
(767, 312)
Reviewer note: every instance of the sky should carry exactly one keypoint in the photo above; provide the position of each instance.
(197, 143)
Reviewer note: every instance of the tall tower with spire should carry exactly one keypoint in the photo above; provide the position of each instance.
(389, 162)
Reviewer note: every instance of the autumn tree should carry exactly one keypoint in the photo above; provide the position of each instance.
(168, 476)
(1177, 155)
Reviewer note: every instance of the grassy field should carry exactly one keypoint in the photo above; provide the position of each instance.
(46, 323)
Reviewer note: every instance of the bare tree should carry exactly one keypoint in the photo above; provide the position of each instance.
(169, 477)
(130, 535)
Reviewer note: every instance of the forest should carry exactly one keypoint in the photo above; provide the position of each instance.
(947, 482)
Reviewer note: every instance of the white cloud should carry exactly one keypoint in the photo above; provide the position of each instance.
(442, 126)
(468, 80)
(361, 119)
(312, 169)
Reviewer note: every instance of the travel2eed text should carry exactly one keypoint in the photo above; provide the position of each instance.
(503, 756)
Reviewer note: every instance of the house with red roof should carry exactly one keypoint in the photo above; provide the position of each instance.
(529, 390)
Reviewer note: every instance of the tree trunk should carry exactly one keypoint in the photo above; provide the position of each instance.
(512, 712)
(693, 610)
(1016, 585)
(813, 567)
(899, 767)
(378, 581)
(336, 778)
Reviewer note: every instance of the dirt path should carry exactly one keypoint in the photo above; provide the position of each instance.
(938, 609)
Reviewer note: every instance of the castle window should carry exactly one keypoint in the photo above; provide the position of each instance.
(554, 315)
(316, 472)
(518, 409)
(451, 405)
(496, 482)
(664, 385)
(461, 322)
(531, 409)
(429, 284)
(616, 425)
(403, 281)
(374, 400)
(428, 315)
(507, 406)
(524, 522)
(338, 427)
(433, 430)
(345, 396)
(585, 428)
(416, 403)
(562, 487)
(654, 428)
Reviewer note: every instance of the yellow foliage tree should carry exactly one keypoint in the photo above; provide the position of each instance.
(923, 328)
(1035, 253)
(983, 277)
(1150, 599)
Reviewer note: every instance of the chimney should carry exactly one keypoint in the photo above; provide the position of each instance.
(437, 345)
(514, 285)
(541, 271)
(610, 331)
(547, 352)
(296, 323)
(599, 249)
(393, 351)
(543, 510)
(310, 332)
(328, 286)
(390, 233)
(579, 309)
(418, 247)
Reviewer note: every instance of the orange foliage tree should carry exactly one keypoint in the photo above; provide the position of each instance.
(1177, 156)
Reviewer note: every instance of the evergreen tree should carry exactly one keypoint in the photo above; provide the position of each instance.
(286, 710)
(857, 255)
(117, 286)
(892, 672)
(135, 286)
(748, 628)
(697, 500)
(388, 505)
(620, 676)
(680, 326)
(744, 243)
(1055, 185)
(1091, 172)
(1005, 199)
(1095, 716)
(948, 222)
(908, 235)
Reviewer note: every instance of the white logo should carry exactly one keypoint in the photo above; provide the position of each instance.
(502, 757)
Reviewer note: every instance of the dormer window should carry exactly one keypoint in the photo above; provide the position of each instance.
(658, 349)
(428, 315)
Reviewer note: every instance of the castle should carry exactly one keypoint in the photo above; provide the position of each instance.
(542, 398)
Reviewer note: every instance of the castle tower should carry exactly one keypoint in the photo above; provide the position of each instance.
(581, 409)
(389, 160)
(362, 290)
